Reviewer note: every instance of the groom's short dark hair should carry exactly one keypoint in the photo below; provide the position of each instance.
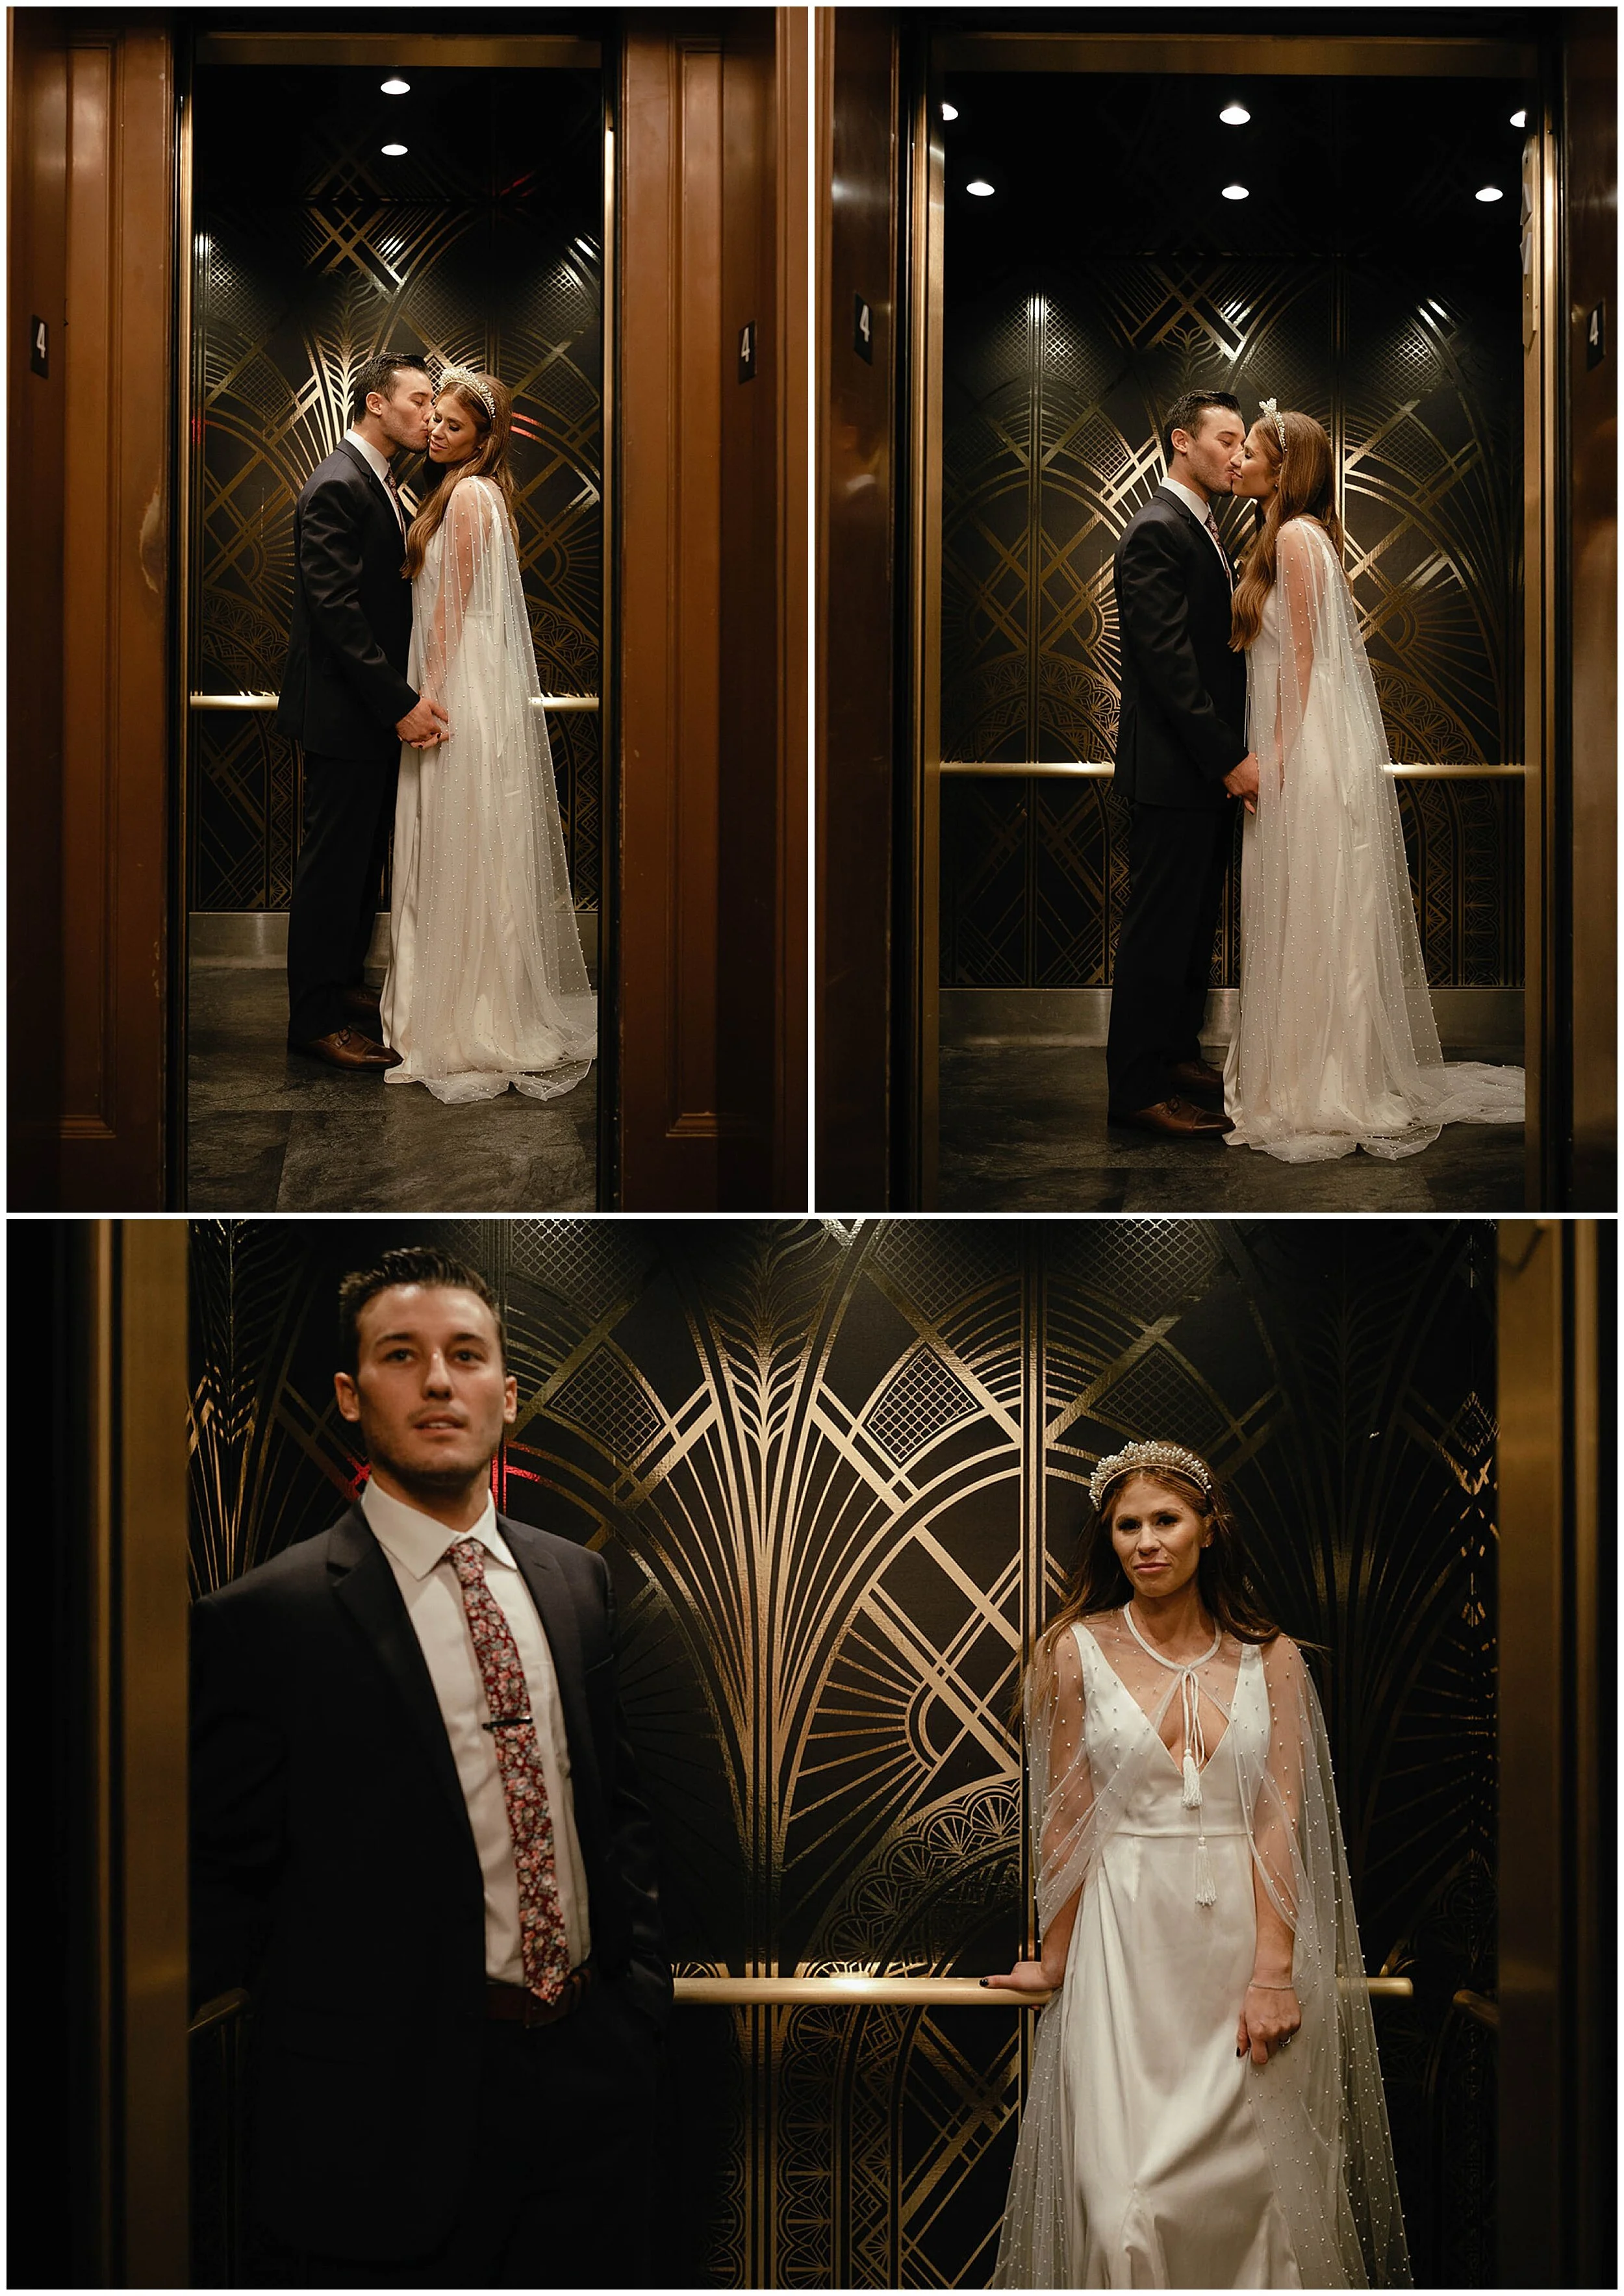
(409, 1264)
(1186, 413)
(379, 373)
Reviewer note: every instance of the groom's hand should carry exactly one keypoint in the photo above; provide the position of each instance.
(1242, 780)
(428, 724)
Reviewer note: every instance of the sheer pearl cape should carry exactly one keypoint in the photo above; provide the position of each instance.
(1335, 1048)
(486, 984)
(1320, 2109)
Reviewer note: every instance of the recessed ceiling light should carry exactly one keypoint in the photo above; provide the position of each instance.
(1519, 119)
(1237, 191)
(950, 112)
(394, 151)
(979, 189)
(1234, 115)
(1490, 192)
(395, 87)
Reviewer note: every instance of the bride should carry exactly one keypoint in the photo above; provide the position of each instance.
(1336, 1047)
(1205, 2107)
(487, 986)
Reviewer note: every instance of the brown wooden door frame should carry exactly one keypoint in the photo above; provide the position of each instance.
(860, 195)
(92, 168)
(710, 644)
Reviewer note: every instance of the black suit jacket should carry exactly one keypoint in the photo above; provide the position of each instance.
(334, 1874)
(344, 689)
(1184, 693)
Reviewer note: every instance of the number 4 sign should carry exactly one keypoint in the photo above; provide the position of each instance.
(862, 335)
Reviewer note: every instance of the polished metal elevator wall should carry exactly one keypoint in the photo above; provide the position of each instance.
(482, 246)
(837, 1474)
(1362, 282)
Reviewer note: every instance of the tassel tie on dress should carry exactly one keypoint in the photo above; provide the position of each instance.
(1195, 1751)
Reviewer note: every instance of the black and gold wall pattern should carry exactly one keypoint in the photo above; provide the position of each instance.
(1384, 300)
(482, 245)
(837, 1474)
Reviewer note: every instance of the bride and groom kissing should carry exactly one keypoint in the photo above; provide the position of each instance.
(411, 687)
(1255, 686)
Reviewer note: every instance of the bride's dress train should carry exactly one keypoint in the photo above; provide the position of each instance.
(1336, 1047)
(486, 984)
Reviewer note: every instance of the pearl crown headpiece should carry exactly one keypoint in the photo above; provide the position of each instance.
(1148, 1454)
(464, 378)
(1268, 406)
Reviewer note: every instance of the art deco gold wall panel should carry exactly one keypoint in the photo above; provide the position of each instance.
(1104, 275)
(483, 244)
(838, 1480)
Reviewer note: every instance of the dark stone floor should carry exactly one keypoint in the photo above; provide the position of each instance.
(1024, 1130)
(270, 1131)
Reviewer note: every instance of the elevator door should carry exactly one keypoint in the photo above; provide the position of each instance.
(478, 241)
(837, 1474)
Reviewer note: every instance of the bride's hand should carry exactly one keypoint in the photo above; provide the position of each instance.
(1026, 1976)
(1269, 2016)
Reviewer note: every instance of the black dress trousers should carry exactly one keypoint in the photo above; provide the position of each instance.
(1177, 862)
(349, 811)
(555, 2172)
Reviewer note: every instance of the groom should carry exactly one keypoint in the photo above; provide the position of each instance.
(1181, 759)
(345, 702)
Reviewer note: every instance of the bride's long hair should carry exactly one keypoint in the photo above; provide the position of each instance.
(487, 461)
(1306, 470)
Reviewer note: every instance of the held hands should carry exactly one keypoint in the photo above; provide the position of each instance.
(1242, 780)
(1269, 2016)
(424, 726)
(1026, 1976)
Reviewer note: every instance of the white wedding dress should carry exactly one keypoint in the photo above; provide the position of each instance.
(1335, 1048)
(486, 985)
(1150, 2156)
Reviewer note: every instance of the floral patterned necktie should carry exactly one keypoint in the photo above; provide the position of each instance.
(1217, 540)
(544, 1946)
(394, 490)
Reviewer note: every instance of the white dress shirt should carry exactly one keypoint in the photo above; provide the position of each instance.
(379, 466)
(1203, 510)
(415, 1545)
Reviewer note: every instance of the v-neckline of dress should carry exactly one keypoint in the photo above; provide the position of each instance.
(1174, 1764)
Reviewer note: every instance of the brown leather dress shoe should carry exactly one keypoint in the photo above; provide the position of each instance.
(1198, 1076)
(364, 1003)
(1179, 1120)
(347, 1048)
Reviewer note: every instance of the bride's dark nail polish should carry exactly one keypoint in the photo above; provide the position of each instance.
(980, 1980)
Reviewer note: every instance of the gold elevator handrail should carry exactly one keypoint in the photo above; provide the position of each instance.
(823, 1992)
(1104, 773)
(904, 1992)
(550, 702)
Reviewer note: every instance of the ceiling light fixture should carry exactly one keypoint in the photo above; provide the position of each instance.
(395, 87)
(1519, 119)
(394, 151)
(1237, 191)
(1234, 115)
(1490, 193)
(980, 189)
(950, 112)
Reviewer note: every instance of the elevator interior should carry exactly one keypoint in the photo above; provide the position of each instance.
(1106, 238)
(454, 209)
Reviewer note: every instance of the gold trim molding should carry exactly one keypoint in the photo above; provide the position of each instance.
(421, 52)
(1270, 55)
